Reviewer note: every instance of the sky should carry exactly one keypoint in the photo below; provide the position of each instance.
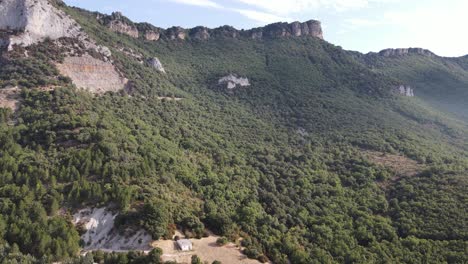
(361, 25)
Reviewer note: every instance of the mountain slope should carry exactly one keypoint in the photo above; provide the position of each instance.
(289, 163)
(442, 82)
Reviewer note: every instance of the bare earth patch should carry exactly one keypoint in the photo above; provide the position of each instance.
(92, 74)
(402, 166)
(9, 98)
(169, 98)
(205, 248)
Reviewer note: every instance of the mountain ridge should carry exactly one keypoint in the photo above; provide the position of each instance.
(118, 22)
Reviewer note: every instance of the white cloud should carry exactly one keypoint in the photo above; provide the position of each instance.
(281, 7)
(435, 26)
(357, 23)
(258, 16)
(202, 3)
(439, 29)
(262, 17)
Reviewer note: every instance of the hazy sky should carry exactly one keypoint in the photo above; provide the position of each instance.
(363, 25)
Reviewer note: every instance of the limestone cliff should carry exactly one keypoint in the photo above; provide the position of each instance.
(310, 28)
(119, 23)
(30, 21)
(405, 51)
(27, 22)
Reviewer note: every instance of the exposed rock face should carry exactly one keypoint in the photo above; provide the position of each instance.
(174, 33)
(402, 52)
(131, 53)
(310, 28)
(225, 32)
(92, 74)
(118, 24)
(101, 235)
(9, 98)
(31, 21)
(256, 34)
(200, 33)
(104, 51)
(155, 63)
(404, 90)
(152, 35)
(232, 81)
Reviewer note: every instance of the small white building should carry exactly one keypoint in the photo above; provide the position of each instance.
(184, 244)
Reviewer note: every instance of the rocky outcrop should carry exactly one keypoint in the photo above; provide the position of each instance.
(27, 22)
(174, 33)
(156, 64)
(232, 81)
(152, 35)
(310, 28)
(200, 33)
(118, 23)
(131, 53)
(121, 27)
(225, 32)
(403, 52)
(101, 234)
(31, 21)
(404, 90)
(92, 74)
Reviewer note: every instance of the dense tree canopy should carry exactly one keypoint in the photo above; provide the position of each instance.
(279, 163)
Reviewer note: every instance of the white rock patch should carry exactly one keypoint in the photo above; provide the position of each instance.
(404, 90)
(101, 234)
(156, 63)
(28, 22)
(232, 81)
(35, 20)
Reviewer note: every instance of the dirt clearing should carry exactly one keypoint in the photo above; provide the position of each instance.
(205, 248)
(401, 165)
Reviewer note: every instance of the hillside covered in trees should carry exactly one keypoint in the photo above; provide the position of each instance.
(306, 164)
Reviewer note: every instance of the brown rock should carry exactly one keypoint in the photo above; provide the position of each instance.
(152, 35)
(174, 33)
(200, 33)
(124, 28)
(92, 74)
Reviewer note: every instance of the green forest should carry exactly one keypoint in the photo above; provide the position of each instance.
(279, 163)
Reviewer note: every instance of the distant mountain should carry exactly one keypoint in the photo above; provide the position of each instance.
(272, 138)
(440, 81)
